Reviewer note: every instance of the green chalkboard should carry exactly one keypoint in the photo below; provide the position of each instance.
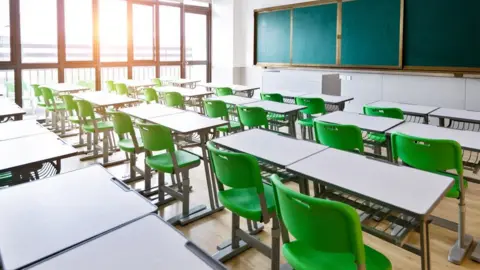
(273, 37)
(315, 35)
(442, 33)
(371, 33)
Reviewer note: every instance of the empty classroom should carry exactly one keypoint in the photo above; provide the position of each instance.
(239, 134)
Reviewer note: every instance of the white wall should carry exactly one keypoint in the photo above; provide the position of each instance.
(363, 86)
(223, 44)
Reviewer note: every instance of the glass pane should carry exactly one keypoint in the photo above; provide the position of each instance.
(143, 33)
(35, 76)
(170, 71)
(196, 3)
(143, 73)
(169, 33)
(114, 74)
(197, 72)
(38, 22)
(195, 36)
(78, 30)
(7, 84)
(4, 30)
(113, 31)
(81, 76)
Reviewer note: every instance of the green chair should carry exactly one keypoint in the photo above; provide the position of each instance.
(157, 82)
(56, 109)
(121, 89)
(223, 91)
(111, 86)
(247, 197)
(91, 125)
(343, 137)
(380, 138)
(128, 142)
(150, 95)
(313, 106)
(436, 156)
(252, 117)
(175, 162)
(218, 109)
(275, 98)
(174, 99)
(328, 234)
(38, 95)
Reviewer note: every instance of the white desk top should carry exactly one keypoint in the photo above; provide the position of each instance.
(234, 100)
(467, 139)
(17, 129)
(135, 83)
(329, 99)
(185, 92)
(364, 122)
(56, 213)
(33, 149)
(406, 108)
(147, 111)
(146, 244)
(412, 190)
(66, 87)
(183, 81)
(270, 146)
(275, 107)
(234, 87)
(460, 115)
(9, 108)
(104, 99)
(187, 122)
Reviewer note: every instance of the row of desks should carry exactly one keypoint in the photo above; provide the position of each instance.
(9, 109)
(73, 221)
(379, 182)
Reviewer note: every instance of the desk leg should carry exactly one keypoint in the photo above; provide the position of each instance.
(388, 148)
(341, 106)
(442, 121)
(291, 122)
(424, 245)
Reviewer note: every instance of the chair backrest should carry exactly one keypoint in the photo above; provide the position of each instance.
(48, 96)
(215, 108)
(157, 82)
(174, 99)
(272, 97)
(314, 105)
(343, 137)
(111, 86)
(10, 87)
(427, 154)
(324, 225)
(37, 92)
(121, 89)
(224, 91)
(236, 170)
(252, 117)
(122, 124)
(156, 137)
(150, 95)
(85, 110)
(383, 112)
(70, 105)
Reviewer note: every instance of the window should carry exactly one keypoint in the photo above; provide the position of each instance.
(7, 84)
(143, 73)
(197, 72)
(83, 76)
(195, 36)
(169, 33)
(78, 30)
(4, 30)
(114, 74)
(38, 22)
(143, 32)
(113, 30)
(170, 71)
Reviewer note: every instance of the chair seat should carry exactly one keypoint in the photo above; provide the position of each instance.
(5, 178)
(60, 107)
(233, 125)
(308, 122)
(163, 162)
(245, 202)
(454, 191)
(276, 116)
(76, 120)
(128, 146)
(41, 104)
(101, 126)
(377, 137)
(302, 257)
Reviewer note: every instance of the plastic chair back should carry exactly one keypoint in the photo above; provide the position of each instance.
(314, 105)
(121, 89)
(122, 123)
(70, 105)
(157, 82)
(215, 108)
(272, 97)
(343, 137)
(383, 112)
(224, 91)
(174, 99)
(150, 95)
(236, 170)
(156, 137)
(37, 91)
(252, 117)
(48, 96)
(85, 110)
(110, 86)
(324, 225)
(427, 154)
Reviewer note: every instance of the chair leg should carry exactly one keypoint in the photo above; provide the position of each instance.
(235, 227)
(186, 192)
(95, 144)
(105, 149)
(89, 141)
(133, 160)
(275, 255)
(302, 129)
(310, 133)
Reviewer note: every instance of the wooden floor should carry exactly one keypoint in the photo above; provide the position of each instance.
(211, 231)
